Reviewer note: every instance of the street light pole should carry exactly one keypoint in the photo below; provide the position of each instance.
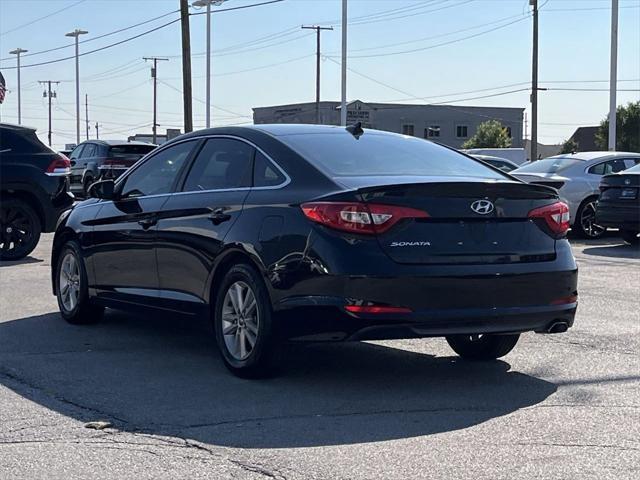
(613, 79)
(76, 34)
(17, 53)
(208, 3)
(343, 103)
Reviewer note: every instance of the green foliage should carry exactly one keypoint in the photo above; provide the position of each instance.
(569, 146)
(627, 129)
(490, 134)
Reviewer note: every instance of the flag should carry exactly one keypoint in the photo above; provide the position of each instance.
(3, 88)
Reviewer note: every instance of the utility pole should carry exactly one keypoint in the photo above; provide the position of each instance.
(343, 103)
(154, 75)
(318, 29)
(208, 3)
(534, 85)
(17, 53)
(97, 133)
(186, 67)
(76, 34)
(86, 113)
(50, 94)
(613, 79)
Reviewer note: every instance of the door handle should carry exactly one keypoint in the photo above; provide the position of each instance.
(218, 216)
(147, 223)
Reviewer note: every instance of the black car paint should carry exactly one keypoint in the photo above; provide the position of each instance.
(311, 272)
(614, 210)
(22, 175)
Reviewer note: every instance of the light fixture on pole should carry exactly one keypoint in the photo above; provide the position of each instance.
(199, 4)
(76, 33)
(17, 53)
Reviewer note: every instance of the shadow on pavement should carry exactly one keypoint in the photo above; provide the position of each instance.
(619, 250)
(161, 375)
(22, 261)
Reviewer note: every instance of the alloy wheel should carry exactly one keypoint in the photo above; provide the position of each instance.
(69, 282)
(240, 320)
(588, 219)
(16, 231)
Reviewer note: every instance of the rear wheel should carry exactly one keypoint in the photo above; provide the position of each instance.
(630, 236)
(482, 347)
(72, 288)
(243, 324)
(20, 229)
(585, 223)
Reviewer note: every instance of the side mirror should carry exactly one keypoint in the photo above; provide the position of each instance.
(104, 189)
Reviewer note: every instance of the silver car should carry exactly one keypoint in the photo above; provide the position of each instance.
(577, 177)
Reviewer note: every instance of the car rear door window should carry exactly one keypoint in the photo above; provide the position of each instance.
(611, 166)
(157, 174)
(89, 150)
(76, 152)
(223, 163)
(265, 173)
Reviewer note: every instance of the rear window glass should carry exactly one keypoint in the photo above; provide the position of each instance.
(20, 141)
(633, 169)
(548, 165)
(384, 155)
(129, 152)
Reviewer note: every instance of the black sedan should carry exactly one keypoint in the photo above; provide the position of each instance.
(319, 233)
(619, 203)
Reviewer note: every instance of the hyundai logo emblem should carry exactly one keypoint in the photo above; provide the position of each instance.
(483, 207)
(627, 181)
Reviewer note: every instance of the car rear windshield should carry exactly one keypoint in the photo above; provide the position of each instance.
(129, 152)
(635, 169)
(21, 141)
(548, 165)
(383, 155)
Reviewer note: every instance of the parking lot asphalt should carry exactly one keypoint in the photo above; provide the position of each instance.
(563, 406)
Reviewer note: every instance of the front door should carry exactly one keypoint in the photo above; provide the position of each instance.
(194, 222)
(125, 230)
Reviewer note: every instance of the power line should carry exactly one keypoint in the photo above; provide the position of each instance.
(43, 17)
(239, 115)
(239, 8)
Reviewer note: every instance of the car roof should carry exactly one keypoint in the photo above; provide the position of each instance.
(115, 143)
(13, 126)
(600, 155)
(492, 157)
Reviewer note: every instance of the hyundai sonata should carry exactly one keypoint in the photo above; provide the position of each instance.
(316, 233)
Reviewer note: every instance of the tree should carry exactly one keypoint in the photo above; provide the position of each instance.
(490, 134)
(569, 146)
(627, 129)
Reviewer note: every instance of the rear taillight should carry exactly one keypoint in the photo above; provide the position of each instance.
(556, 217)
(357, 217)
(61, 165)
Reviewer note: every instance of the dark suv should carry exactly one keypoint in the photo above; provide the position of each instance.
(33, 190)
(94, 160)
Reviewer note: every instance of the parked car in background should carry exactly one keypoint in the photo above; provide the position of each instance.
(33, 190)
(497, 162)
(66, 153)
(97, 159)
(619, 203)
(315, 233)
(577, 178)
(516, 155)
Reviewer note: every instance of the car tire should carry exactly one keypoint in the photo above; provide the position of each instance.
(20, 229)
(72, 289)
(245, 334)
(482, 347)
(86, 184)
(584, 224)
(630, 236)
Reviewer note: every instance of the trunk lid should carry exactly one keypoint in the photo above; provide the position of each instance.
(472, 222)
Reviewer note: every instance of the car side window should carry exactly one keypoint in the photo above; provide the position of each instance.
(631, 162)
(158, 173)
(223, 163)
(76, 152)
(265, 174)
(605, 168)
(89, 150)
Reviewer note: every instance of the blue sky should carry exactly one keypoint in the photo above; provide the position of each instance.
(439, 64)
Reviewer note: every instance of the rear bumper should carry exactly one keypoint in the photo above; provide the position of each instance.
(624, 216)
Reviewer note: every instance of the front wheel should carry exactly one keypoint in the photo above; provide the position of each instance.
(243, 323)
(482, 347)
(630, 236)
(72, 288)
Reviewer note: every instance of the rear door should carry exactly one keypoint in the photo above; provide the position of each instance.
(77, 167)
(195, 221)
(472, 222)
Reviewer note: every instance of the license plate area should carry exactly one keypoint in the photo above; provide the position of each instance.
(630, 193)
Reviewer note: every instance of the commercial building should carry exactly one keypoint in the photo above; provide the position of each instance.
(449, 124)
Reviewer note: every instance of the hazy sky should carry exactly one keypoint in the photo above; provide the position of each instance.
(401, 51)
